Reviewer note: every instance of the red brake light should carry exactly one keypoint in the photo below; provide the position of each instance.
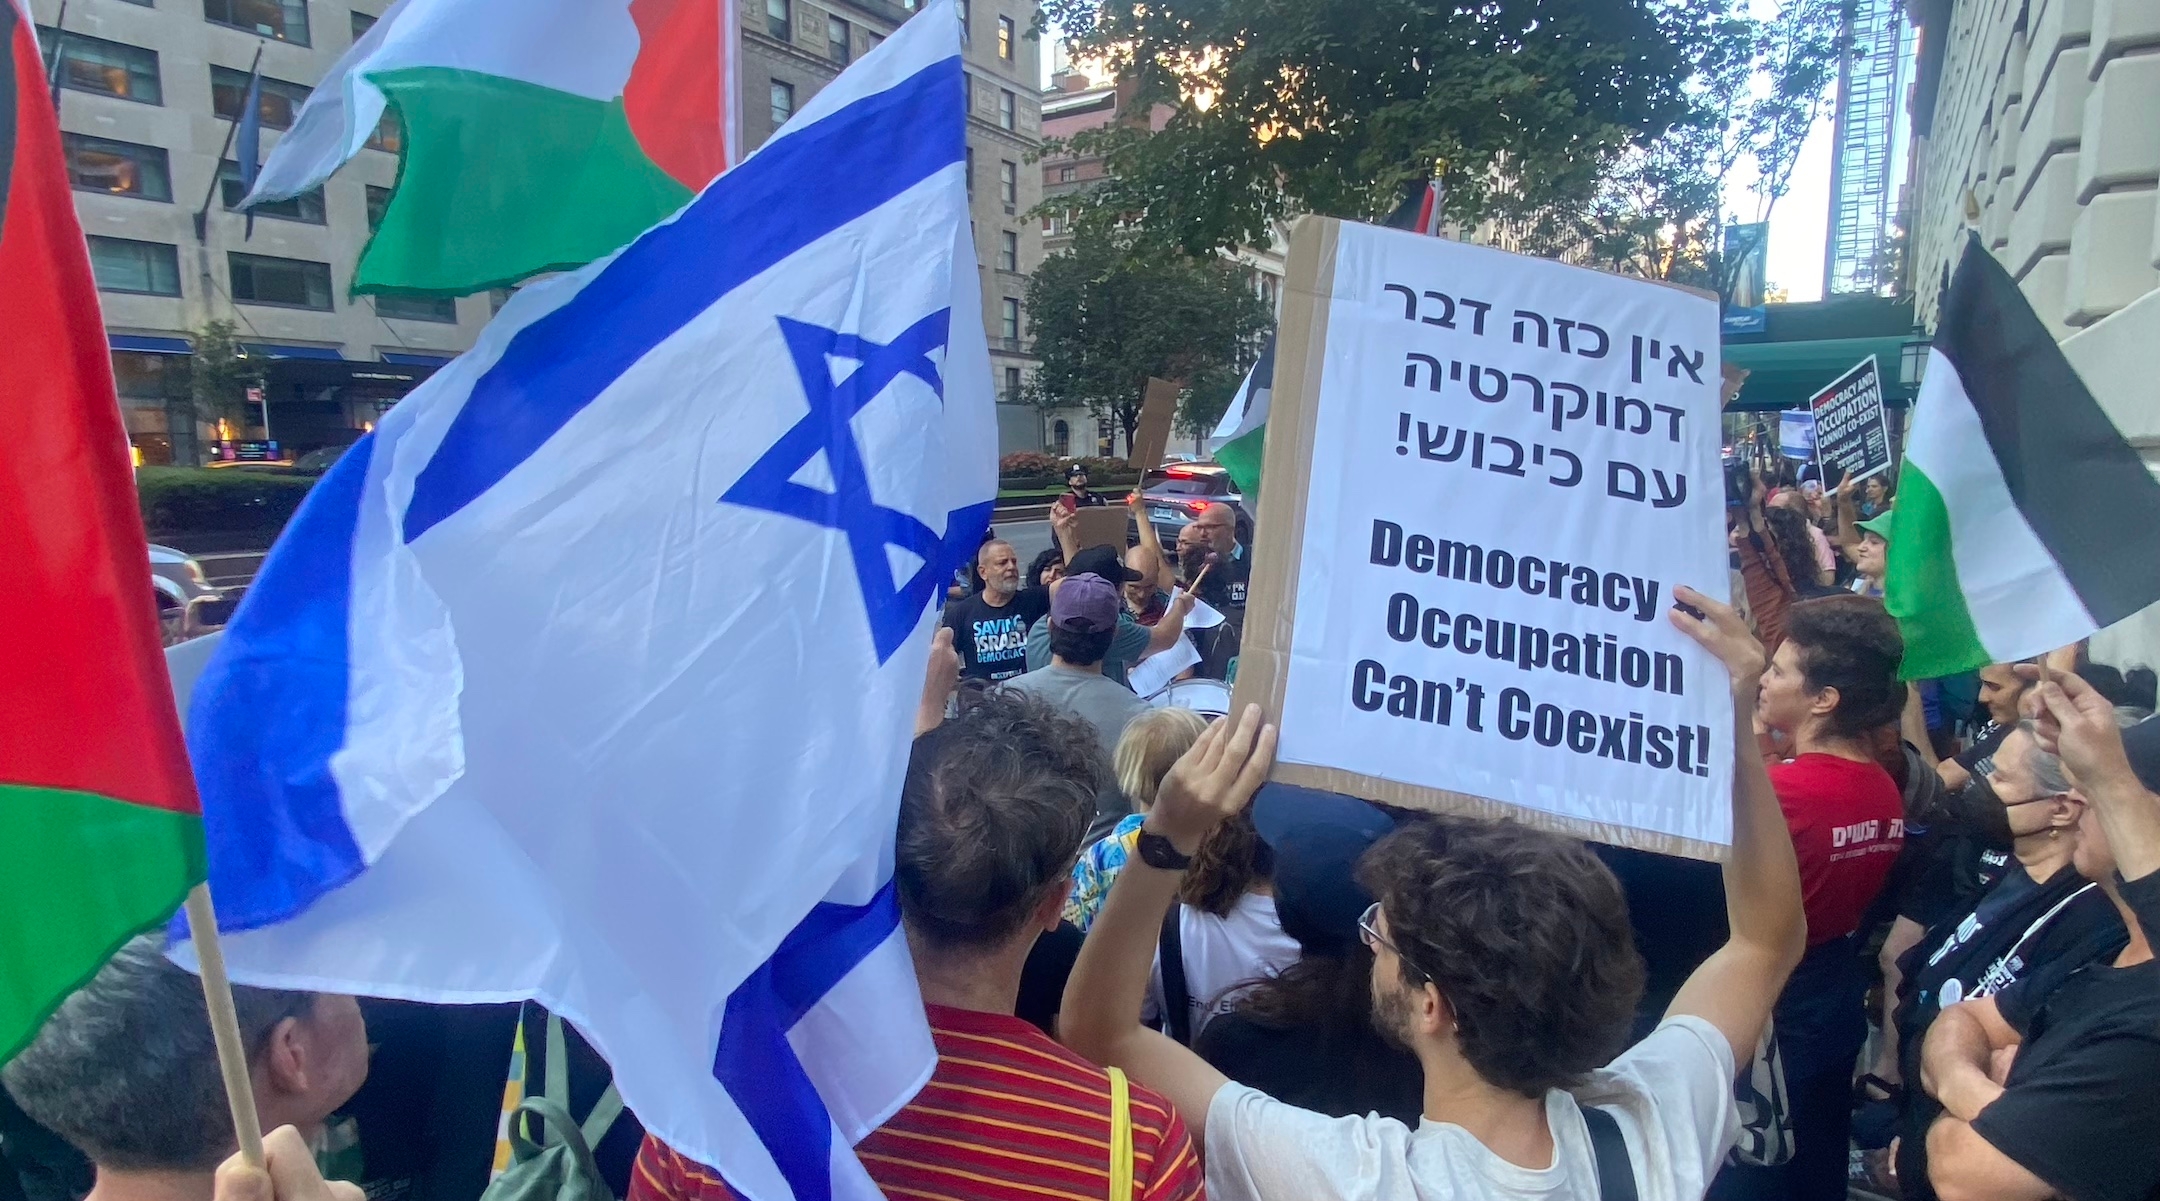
(1197, 506)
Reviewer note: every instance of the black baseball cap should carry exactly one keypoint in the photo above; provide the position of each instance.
(1104, 561)
(1318, 838)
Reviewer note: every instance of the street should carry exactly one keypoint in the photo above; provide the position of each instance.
(1028, 538)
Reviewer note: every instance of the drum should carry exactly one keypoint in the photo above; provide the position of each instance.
(1211, 697)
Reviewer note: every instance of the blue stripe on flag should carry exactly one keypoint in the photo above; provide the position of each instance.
(780, 200)
(756, 1063)
(269, 712)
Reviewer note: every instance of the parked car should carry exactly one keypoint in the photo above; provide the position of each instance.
(186, 600)
(1180, 492)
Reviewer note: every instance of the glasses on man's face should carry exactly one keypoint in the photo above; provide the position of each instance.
(1368, 925)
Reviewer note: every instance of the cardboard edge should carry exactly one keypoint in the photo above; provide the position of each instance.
(1463, 804)
(1279, 526)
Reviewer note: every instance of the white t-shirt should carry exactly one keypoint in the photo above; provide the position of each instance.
(1670, 1094)
(1221, 953)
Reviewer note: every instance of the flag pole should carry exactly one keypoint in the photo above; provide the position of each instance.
(225, 1024)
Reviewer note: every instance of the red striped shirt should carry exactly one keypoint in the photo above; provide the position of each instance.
(1009, 1115)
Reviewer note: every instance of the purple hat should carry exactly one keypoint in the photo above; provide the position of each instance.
(1085, 604)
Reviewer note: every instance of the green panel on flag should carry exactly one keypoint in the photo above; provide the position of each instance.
(1922, 586)
(502, 180)
(80, 874)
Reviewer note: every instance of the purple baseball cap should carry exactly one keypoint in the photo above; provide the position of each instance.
(1085, 604)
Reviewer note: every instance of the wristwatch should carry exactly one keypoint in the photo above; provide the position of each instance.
(1159, 852)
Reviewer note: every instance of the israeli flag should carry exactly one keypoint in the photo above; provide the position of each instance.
(590, 675)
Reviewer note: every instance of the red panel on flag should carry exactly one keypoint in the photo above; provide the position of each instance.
(674, 95)
(84, 700)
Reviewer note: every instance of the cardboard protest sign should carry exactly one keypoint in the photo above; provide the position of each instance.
(1487, 474)
(1151, 438)
(1852, 436)
(1102, 526)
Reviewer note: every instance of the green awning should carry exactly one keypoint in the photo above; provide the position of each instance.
(1783, 375)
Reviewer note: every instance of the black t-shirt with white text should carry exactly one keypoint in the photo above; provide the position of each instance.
(2080, 1108)
(992, 639)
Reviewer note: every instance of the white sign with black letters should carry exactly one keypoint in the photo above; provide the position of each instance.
(1852, 433)
(1512, 462)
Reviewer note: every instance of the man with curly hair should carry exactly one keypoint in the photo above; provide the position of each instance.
(1503, 962)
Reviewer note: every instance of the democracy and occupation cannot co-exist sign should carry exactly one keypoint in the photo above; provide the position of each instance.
(1499, 468)
(1852, 436)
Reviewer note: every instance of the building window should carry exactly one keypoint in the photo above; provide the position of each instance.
(873, 40)
(389, 134)
(497, 298)
(117, 168)
(964, 24)
(780, 19)
(1008, 109)
(361, 23)
(291, 283)
(1012, 385)
(971, 172)
(783, 102)
(90, 64)
(1008, 251)
(1005, 38)
(125, 265)
(378, 201)
(837, 45)
(1008, 184)
(1068, 173)
(285, 20)
(307, 206)
(1009, 319)
(1061, 437)
(415, 306)
(280, 101)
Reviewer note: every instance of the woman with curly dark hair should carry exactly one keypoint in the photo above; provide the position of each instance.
(1223, 932)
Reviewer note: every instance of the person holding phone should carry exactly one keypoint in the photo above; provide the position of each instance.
(1076, 494)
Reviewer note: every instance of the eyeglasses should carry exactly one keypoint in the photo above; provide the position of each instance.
(1368, 925)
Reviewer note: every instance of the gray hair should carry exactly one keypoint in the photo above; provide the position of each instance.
(2048, 769)
(126, 1069)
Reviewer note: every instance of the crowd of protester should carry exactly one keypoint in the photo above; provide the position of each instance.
(1921, 971)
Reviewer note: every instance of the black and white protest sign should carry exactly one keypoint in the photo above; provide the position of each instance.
(1486, 475)
(1852, 437)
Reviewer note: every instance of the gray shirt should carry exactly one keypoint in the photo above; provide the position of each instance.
(1100, 702)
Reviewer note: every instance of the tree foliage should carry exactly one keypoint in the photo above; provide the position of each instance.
(1107, 315)
(1757, 88)
(219, 370)
(1283, 106)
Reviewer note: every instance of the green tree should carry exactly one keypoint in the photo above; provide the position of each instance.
(220, 372)
(1107, 315)
(1756, 89)
(1268, 108)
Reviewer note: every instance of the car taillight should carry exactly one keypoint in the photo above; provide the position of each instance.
(1197, 506)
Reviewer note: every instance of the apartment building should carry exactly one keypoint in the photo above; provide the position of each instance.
(149, 95)
(791, 48)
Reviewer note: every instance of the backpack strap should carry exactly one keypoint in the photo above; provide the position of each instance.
(1615, 1171)
(606, 1108)
(1121, 1149)
(1177, 995)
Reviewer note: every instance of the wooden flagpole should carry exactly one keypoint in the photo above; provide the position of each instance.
(225, 1024)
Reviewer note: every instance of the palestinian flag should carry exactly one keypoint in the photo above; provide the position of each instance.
(538, 135)
(100, 832)
(2024, 521)
(1242, 435)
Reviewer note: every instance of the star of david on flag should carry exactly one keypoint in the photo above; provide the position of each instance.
(827, 432)
(498, 717)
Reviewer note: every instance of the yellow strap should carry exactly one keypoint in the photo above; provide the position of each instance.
(1121, 1165)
